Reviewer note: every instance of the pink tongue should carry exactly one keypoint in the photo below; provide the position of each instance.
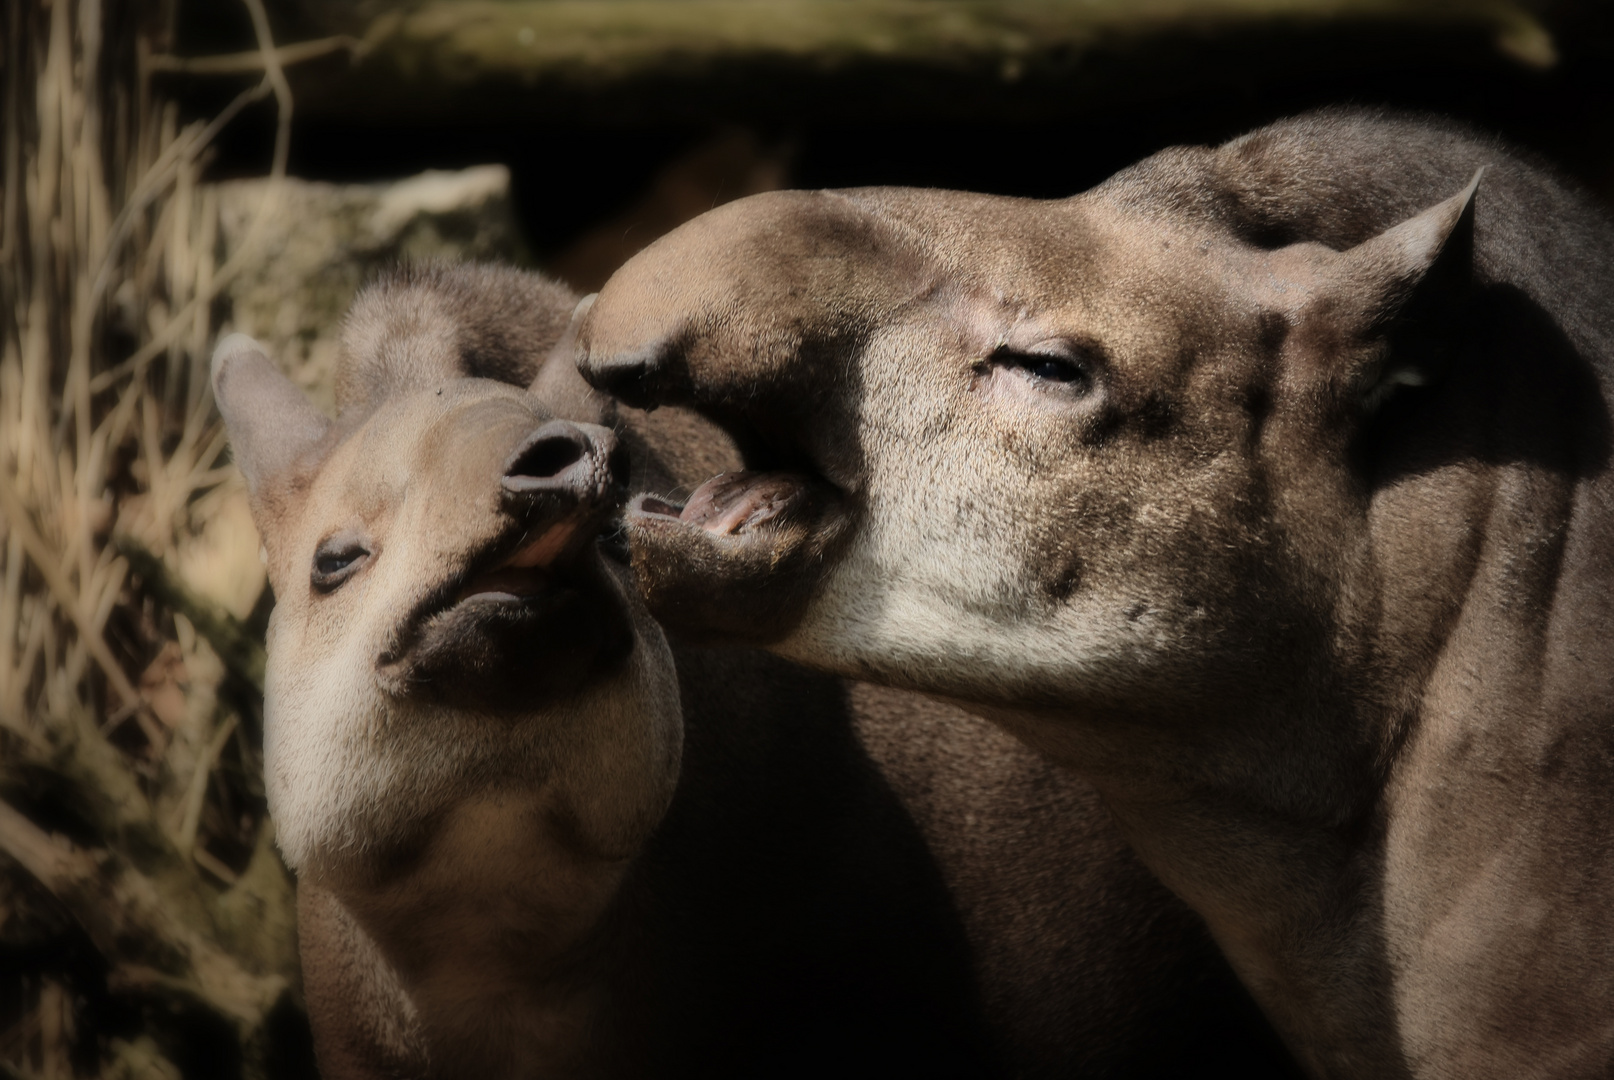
(523, 574)
(729, 501)
(546, 549)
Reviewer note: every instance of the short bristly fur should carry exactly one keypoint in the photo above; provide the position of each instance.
(524, 849)
(425, 322)
(1265, 485)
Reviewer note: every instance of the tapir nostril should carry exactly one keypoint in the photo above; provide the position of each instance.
(548, 455)
(634, 377)
(566, 461)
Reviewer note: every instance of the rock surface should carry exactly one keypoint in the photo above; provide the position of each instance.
(324, 241)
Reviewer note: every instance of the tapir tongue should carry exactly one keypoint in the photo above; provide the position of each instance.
(730, 502)
(546, 549)
(524, 573)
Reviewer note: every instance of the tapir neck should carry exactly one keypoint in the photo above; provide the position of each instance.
(1287, 884)
(1447, 922)
(487, 947)
(1497, 866)
(1291, 902)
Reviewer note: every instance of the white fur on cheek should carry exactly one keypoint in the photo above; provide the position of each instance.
(870, 617)
(326, 771)
(938, 590)
(352, 771)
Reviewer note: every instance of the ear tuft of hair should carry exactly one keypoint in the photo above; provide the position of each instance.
(418, 325)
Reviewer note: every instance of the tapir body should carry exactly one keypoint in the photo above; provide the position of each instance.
(1265, 486)
(534, 840)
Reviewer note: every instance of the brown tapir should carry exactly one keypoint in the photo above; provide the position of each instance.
(1265, 485)
(528, 846)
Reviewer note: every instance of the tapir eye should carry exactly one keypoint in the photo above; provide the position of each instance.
(1054, 370)
(1051, 362)
(336, 560)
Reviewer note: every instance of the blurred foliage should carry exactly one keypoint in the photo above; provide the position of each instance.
(147, 924)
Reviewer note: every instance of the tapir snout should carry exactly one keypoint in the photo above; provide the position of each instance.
(559, 482)
(562, 462)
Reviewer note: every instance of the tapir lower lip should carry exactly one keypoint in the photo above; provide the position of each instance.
(731, 504)
(509, 656)
(714, 575)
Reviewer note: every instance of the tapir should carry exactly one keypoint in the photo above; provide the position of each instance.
(1265, 486)
(533, 840)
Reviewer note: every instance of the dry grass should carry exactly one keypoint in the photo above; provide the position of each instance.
(146, 924)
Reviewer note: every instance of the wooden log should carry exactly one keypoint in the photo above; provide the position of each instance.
(759, 59)
(604, 40)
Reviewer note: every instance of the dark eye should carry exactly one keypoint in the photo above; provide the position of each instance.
(1056, 362)
(336, 560)
(1054, 370)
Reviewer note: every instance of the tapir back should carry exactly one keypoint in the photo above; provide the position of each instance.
(1339, 176)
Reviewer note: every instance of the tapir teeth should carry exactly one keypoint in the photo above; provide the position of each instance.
(506, 581)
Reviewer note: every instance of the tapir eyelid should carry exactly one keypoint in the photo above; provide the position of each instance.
(1061, 363)
(336, 560)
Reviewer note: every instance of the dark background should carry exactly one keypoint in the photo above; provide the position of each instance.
(588, 154)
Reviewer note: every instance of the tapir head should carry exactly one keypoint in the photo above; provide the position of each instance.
(1015, 450)
(445, 621)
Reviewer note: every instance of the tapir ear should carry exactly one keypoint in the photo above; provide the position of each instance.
(1384, 275)
(560, 386)
(271, 424)
(1400, 288)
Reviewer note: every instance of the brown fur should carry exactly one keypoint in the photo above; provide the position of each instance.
(847, 881)
(1265, 485)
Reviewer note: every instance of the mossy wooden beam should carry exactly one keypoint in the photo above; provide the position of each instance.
(551, 56)
(602, 40)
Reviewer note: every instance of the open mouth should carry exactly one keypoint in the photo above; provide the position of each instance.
(733, 504)
(531, 616)
(739, 558)
(524, 573)
(779, 487)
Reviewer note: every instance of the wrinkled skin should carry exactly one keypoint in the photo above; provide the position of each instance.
(1264, 486)
(524, 848)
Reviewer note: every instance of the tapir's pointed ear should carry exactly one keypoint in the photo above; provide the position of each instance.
(1402, 285)
(271, 424)
(1435, 250)
(560, 386)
